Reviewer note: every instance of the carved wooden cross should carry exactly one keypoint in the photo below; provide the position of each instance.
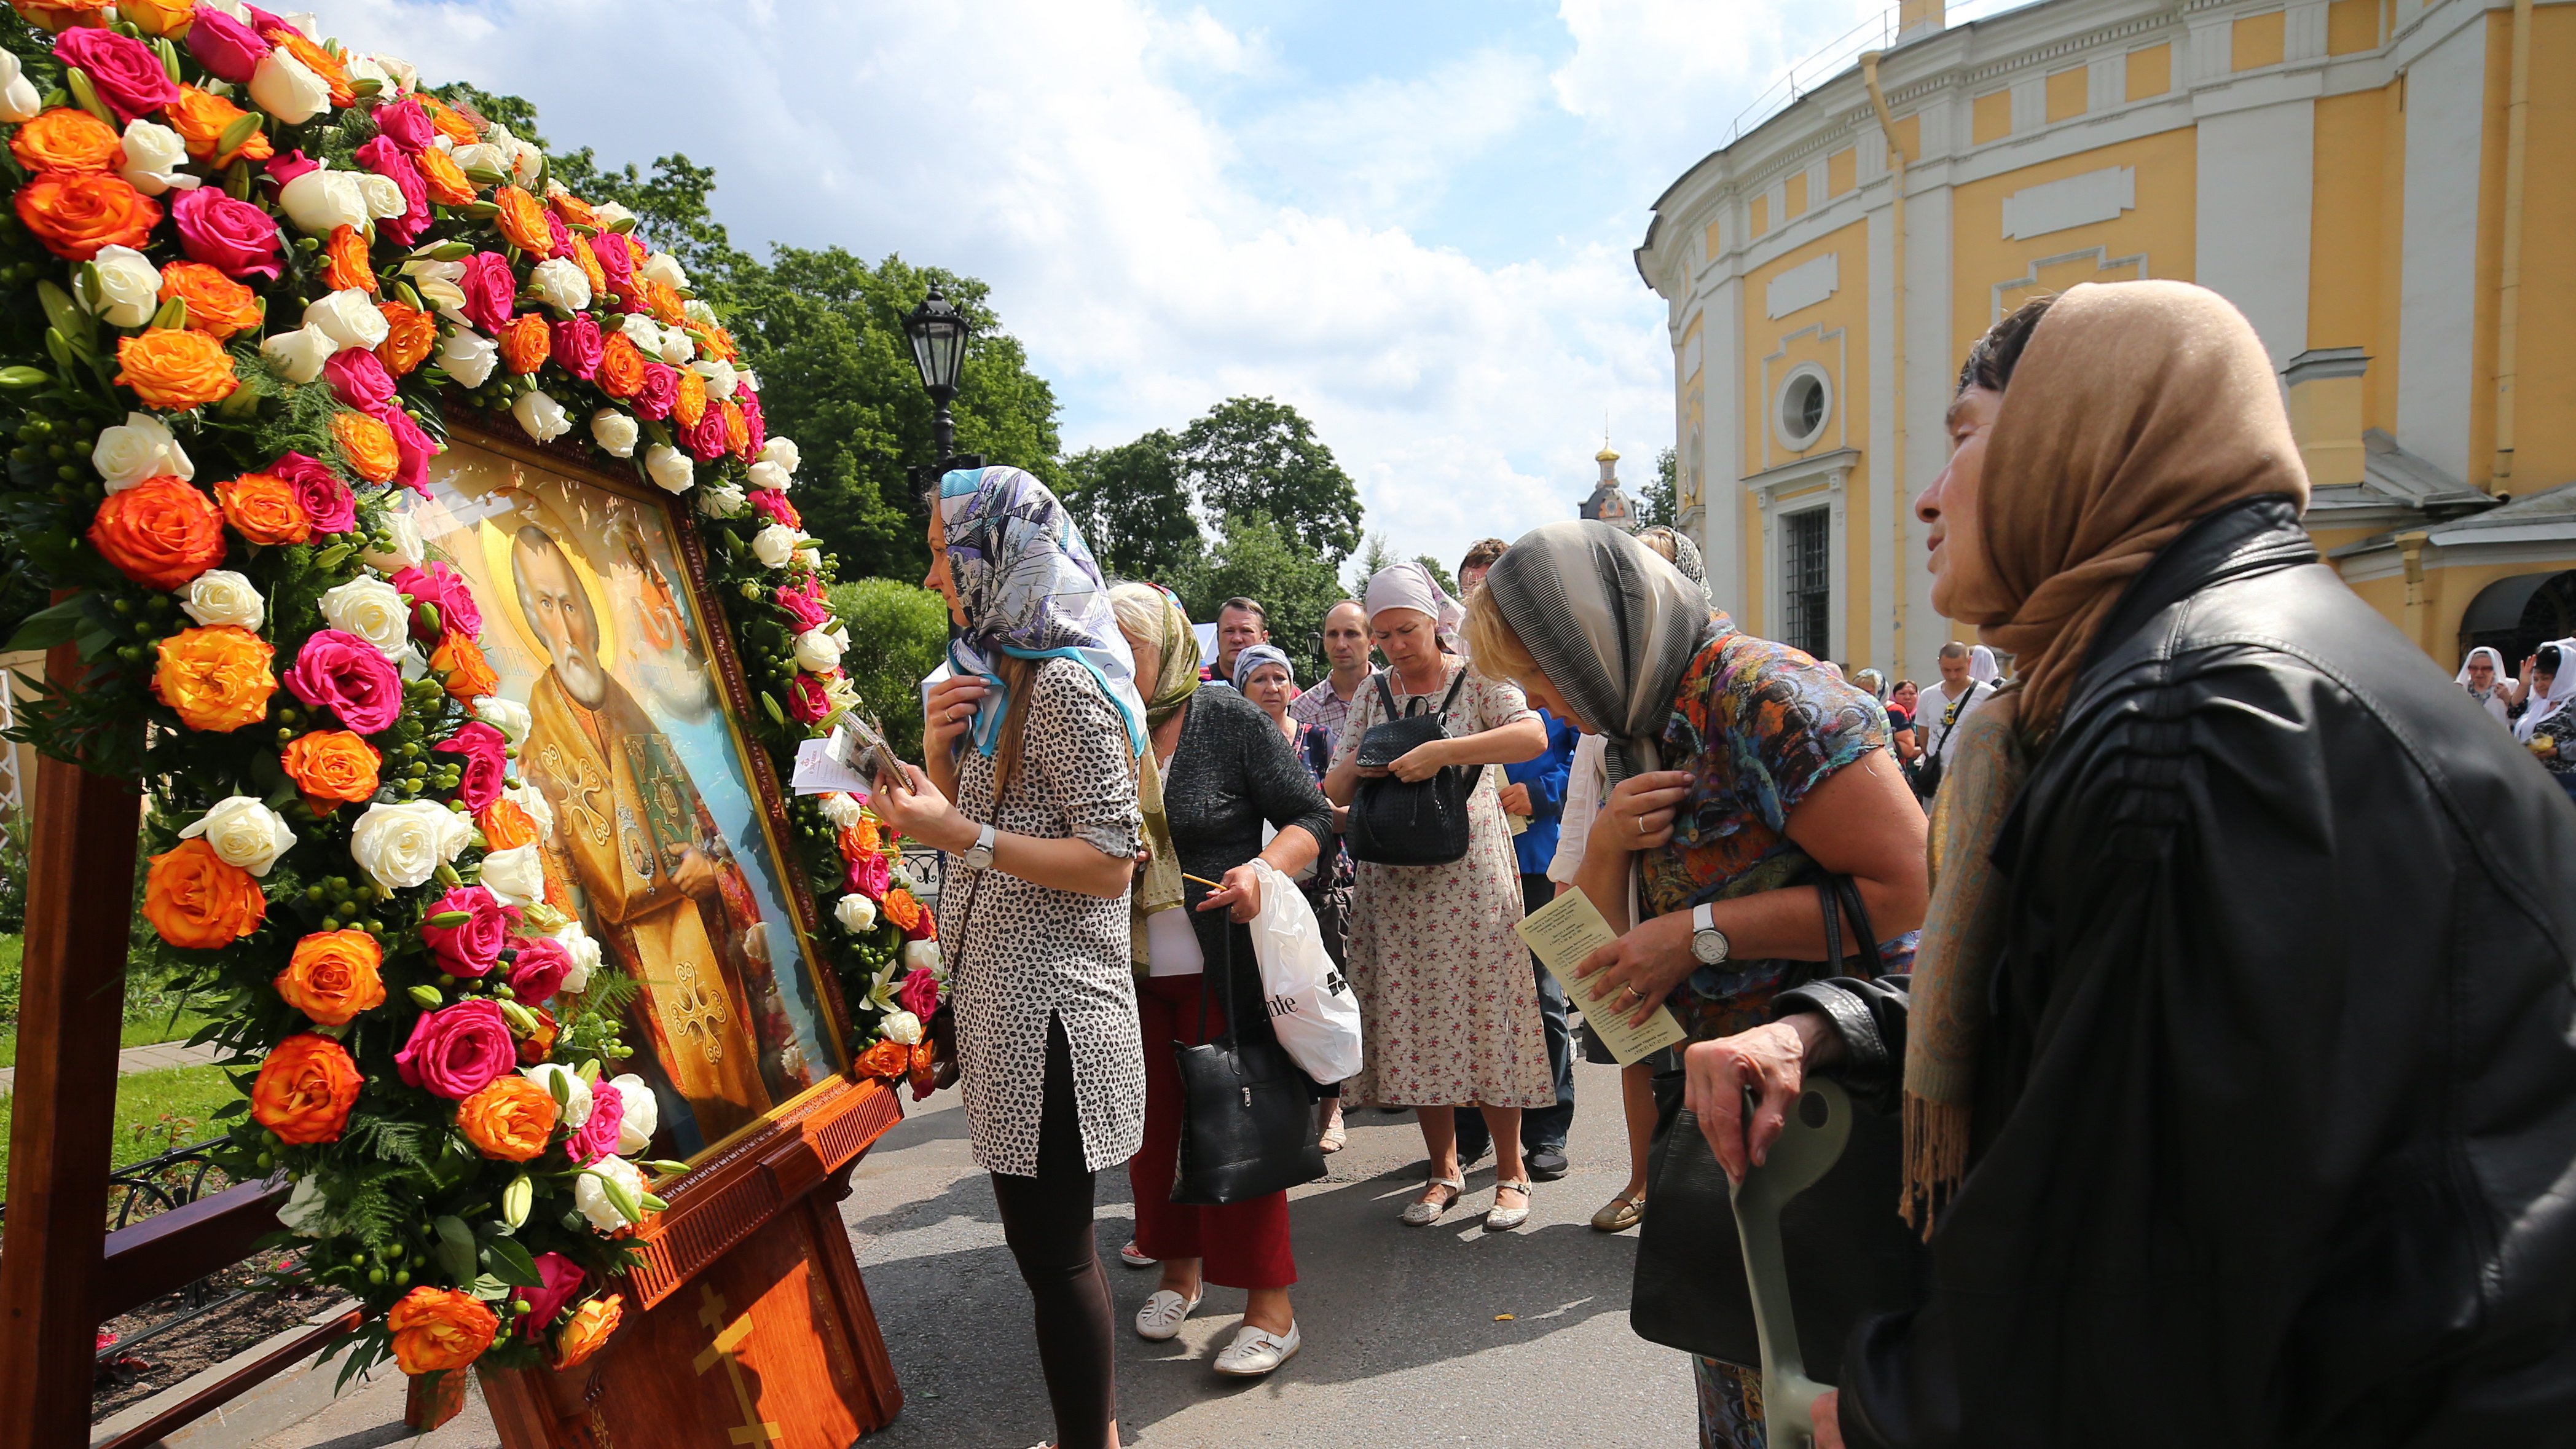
(726, 1349)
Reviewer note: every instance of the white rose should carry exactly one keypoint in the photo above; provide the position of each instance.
(842, 809)
(541, 416)
(153, 155)
(374, 611)
(140, 447)
(560, 283)
(575, 1101)
(403, 549)
(774, 545)
(527, 163)
(234, 8)
(468, 356)
(307, 1213)
(541, 811)
(402, 72)
(611, 215)
(400, 846)
(579, 945)
(664, 268)
(670, 468)
(305, 21)
(720, 377)
(643, 331)
(367, 67)
(516, 876)
(286, 89)
(856, 913)
(349, 318)
(640, 1113)
(920, 956)
(129, 287)
(744, 378)
(614, 431)
(591, 1197)
(243, 832)
(678, 346)
(766, 474)
(508, 716)
(298, 355)
(721, 500)
(19, 100)
(902, 1027)
(384, 195)
(698, 312)
(320, 201)
(442, 286)
(781, 451)
(817, 652)
(483, 156)
(220, 596)
(811, 558)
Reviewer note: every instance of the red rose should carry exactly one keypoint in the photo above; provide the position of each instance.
(414, 447)
(577, 345)
(491, 291)
(360, 379)
(445, 589)
(388, 159)
(124, 71)
(661, 389)
(471, 946)
(805, 603)
(406, 124)
(540, 969)
(751, 418)
(328, 504)
(227, 48)
(236, 238)
(484, 752)
(338, 671)
(806, 700)
(707, 440)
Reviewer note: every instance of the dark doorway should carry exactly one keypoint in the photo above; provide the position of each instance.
(2515, 616)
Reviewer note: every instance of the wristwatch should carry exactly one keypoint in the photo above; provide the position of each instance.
(979, 856)
(1708, 943)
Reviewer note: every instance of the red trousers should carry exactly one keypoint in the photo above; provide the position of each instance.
(1240, 1245)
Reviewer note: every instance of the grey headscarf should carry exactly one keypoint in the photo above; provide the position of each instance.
(1611, 625)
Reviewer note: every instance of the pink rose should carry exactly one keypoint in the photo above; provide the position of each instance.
(919, 993)
(540, 969)
(491, 290)
(870, 875)
(771, 504)
(609, 250)
(360, 380)
(559, 1281)
(577, 345)
(560, 234)
(661, 389)
(236, 238)
(804, 604)
(472, 946)
(338, 671)
(707, 439)
(485, 753)
(227, 48)
(405, 122)
(751, 417)
(388, 159)
(327, 500)
(444, 589)
(807, 702)
(596, 1137)
(283, 169)
(457, 1050)
(415, 448)
(124, 71)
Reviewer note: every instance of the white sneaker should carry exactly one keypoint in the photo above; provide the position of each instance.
(1160, 1318)
(1256, 1351)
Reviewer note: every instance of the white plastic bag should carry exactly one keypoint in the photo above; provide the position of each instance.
(1311, 1007)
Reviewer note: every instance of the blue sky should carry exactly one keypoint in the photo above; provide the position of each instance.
(1412, 219)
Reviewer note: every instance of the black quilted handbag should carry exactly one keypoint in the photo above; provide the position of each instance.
(1416, 822)
(1248, 1123)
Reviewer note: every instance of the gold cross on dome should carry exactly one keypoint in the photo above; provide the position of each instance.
(727, 1349)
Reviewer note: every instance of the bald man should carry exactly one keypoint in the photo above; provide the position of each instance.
(1346, 648)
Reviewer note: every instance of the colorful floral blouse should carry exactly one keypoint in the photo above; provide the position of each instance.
(1759, 725)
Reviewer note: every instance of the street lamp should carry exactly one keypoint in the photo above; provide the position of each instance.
(938, 332)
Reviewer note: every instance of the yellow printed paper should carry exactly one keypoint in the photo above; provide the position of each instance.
(1562, 933)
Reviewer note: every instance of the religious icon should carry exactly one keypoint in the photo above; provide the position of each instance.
(659, 841)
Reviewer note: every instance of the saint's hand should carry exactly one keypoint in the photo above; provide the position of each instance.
(694, 874)
(948, 713)
(1635, 973)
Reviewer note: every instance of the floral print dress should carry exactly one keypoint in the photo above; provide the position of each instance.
(1448, 1009)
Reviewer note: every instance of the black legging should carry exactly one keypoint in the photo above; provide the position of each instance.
(1047, 1221)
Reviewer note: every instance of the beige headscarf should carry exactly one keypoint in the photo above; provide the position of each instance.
(1167, 628)
(2136, 408)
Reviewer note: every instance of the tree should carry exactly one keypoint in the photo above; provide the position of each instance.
(1257, 559)
(1373, 557)
(1438, 574)
(1258, 456)
(1655, 502)
(898, 633)
(1135, 510)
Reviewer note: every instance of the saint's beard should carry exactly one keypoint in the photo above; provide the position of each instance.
(581, 675)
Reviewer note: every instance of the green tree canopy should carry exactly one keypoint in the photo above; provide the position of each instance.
(1253, 557)
(1256, 455)
(1655, 501)
(1134, 509)
(1374, 555)
(1439, 574)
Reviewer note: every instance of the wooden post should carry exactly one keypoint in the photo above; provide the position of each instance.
(80, 880)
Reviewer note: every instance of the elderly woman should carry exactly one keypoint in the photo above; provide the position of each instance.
(2482, 676)
(1739, 770)
(1448, 1012)
(1223, 772)
(1036, 740)
(2231, 1134)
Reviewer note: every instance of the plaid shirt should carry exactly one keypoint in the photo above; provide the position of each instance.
(1320, 706)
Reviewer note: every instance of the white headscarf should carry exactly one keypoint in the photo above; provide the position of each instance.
(2493, 697)
(1982, 667)
(1409, 585)
(2562, 687)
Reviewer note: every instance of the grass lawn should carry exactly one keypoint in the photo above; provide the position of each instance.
(155, 1111)
(146, 1027)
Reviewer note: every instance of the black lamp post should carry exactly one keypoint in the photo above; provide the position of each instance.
(938, 332)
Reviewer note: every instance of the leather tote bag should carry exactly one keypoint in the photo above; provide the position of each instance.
(1418, 822)
(1248, 1123)
(1849, 1253)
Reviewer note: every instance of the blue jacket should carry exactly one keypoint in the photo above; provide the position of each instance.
(1545, 776)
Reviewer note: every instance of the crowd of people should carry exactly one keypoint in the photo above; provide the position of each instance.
(2150, 920)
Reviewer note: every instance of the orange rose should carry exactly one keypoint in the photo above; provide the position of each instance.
(217, 305)
(449, 123)
(737, 430)
(196, 900)
(174, 370)
(201, 118)
(509, 1120)
(317, 60)
(588, 261)
(161, 533)
(344, 261)
(332, 976)
(368, 445)
(67, 139)
(61, 15)
(218, 678)
(505, 826)
(719, 345)
(861, 841)
(691, 404)
(409, 335)
(574, 210)
(902, 909)
(448, 183)
(263, 508)
(523, 222)
(440, 1328)
(621, 366)
(76, 213)
(538, 1046)
(305, 1089)
(887, 1058)
(588, 1328)
(469, 678)
(665, 301)
(525, 342)
(159, 17)
(332, 768)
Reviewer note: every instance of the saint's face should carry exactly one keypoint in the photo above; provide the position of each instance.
(560, 613)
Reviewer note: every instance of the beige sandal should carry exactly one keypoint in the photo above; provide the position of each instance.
(1423, 1212)
(1498, 1218)
(1620, 1214)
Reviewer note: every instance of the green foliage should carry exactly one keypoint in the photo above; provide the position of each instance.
(1254, 455)
(898, 633)
(155, 1111)
(1374, 555)
(1439, 574)
(1254, 557)
(1134, 508)
(1655, 501)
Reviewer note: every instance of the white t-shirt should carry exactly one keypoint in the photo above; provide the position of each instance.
(1584, 786)
(1931, 702)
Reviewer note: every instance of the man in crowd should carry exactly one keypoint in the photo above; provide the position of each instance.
(1327, 703)
(1240, 624)
(1940, 710)
(1480, 558)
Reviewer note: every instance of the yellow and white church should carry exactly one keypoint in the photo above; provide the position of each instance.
(2386, 188)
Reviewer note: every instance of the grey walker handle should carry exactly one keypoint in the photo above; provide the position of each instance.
(1806, 1151)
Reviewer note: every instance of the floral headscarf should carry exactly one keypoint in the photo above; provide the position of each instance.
(1029, 589)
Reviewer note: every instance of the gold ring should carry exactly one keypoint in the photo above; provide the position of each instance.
(1631, 990)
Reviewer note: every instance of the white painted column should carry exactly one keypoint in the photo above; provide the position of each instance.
(1931, 369)
(2437, 310)
(2257, 175)
(1721, 542)
(1877, 552)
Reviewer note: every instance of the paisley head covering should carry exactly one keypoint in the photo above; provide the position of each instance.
(1258, 655)
(1029, 589)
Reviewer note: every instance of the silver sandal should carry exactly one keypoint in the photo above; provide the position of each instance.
(1422, 1213)
(1499, 1218)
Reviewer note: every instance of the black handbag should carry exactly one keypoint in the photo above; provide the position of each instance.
(1416, 822)
(1248, 1122)
(1848, 1252)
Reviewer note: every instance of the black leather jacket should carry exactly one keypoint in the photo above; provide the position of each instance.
(2277, 1119)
